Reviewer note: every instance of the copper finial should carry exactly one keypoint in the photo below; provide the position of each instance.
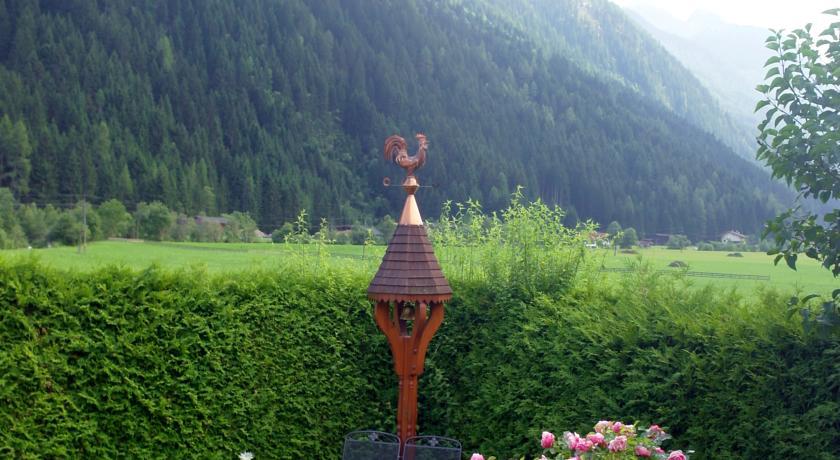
(396, 150)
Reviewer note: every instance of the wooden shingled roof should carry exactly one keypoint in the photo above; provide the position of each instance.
(409, 270)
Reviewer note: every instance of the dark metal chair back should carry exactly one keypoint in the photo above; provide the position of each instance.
(371, 445)
(431, 448)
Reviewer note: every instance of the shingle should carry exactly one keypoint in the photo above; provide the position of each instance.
(409, 270)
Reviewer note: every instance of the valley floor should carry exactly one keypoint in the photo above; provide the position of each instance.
(227, 257)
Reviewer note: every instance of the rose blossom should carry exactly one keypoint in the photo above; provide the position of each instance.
(677, 455)
(602, 426)
(619, 443)
(571, 439)
(547, 440)
(658, 450)
(642, 451)
(583, 445)
(596, 438)
(617, 426)
(477, 456)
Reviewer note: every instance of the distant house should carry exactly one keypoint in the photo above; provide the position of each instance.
(645, 243)
(259, 234)
(598, 238)
(733, 236)
(660, 239)
(211, 220)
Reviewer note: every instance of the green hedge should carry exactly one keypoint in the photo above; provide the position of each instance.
(729, 377)
(155, 364)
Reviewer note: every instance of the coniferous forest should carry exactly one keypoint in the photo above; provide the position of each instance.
(269, 107)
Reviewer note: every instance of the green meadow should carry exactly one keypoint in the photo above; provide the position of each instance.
(236, 257)
(213, 257)
(809, 276)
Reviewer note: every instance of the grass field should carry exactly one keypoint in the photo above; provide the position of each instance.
(808, 277)
(214, 257)
(225, 257)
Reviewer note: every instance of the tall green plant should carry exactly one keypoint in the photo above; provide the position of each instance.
(525, 245)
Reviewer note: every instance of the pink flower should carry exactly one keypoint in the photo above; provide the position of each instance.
(642, 451)
(677, 455)
(547, 440)
(658, 450)
(654, 432)
(477, 456)
(584, 445)
(617, 426)
(617, 444)
(596, 438)
(602, 426)
(571, 439)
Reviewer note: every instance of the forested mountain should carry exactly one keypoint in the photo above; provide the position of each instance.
(270, 106)
(728, 58)
(599, 37)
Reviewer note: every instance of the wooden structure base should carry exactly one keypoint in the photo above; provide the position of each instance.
(409, 339)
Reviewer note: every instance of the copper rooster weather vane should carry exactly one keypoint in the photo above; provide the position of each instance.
(409, 288)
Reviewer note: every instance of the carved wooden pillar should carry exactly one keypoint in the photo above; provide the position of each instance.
(408, 347)
(409, 289)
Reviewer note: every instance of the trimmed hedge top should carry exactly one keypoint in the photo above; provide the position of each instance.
(155, 364)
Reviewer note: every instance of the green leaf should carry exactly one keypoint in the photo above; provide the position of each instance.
(786, 98)
(771, 72)
(825, 195)
(790, 259)
(809, 297)
(790, 43)
(761, 104)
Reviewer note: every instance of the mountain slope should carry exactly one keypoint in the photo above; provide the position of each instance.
(270, 106)
(728, 58)
(598, 36)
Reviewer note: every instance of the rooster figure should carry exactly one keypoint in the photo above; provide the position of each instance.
(396, 150)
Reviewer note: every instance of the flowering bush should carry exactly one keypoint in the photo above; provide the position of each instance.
(610, 440)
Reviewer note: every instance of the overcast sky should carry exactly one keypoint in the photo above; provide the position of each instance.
(787, 14)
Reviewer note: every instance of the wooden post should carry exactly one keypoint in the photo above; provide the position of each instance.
(409, 350)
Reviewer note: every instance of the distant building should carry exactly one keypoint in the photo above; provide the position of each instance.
(211, 220)
(660, 239)
(598, 238)
(733, 236)
(645, 243)
(260, 235)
